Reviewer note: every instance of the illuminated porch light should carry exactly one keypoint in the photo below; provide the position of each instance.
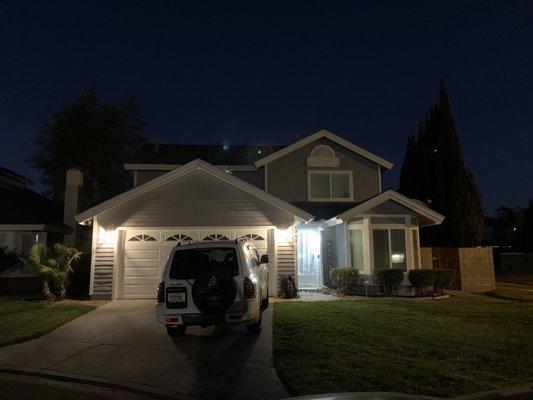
(107, 236)
(283, 235)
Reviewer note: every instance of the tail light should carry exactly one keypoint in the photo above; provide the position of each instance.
(161, 292)
(249, 289)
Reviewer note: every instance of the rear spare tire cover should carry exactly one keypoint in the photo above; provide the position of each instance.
(214, 291)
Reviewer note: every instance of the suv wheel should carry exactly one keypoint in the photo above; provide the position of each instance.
(255, 328)
(176, 331)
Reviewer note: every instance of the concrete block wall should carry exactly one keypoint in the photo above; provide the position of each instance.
(476, 269)
(426, 258)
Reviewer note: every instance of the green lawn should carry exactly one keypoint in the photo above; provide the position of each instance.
(515, 286)
(25, 320)
(513, 291)
(443, 348)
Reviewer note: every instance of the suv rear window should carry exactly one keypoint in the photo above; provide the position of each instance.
(188, 263)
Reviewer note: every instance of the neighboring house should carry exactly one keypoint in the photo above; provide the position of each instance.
(26, 218)
(311, 206)
(507, 229)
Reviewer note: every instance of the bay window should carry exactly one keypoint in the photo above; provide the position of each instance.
(389, 248)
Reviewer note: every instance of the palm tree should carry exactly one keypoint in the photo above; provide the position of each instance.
(53, 265)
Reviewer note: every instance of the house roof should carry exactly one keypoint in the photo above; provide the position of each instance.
(180, 154)
(323, 133)
(324, 211)
(391, 195)
(183, 170)
(10, 177)
(22, 206)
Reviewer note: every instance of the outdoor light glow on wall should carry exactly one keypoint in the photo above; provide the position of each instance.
(107, 236)
(397, 258)
(283, 235)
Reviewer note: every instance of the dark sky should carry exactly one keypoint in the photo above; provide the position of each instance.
(263, 72)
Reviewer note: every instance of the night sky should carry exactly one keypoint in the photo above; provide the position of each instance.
(264, 72)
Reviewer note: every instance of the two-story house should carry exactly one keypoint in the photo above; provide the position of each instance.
(311, 206)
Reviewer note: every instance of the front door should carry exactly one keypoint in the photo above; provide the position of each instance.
(309, 265)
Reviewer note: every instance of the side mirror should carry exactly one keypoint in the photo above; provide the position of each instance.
(264, 259)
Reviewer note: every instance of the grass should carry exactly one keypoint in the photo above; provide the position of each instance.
(513, 291)
(514, 286)
(444, 348)
(25, 320)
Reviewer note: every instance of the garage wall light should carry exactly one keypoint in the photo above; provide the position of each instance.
(283, 235)
(107, 236)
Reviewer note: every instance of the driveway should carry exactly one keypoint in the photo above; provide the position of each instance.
(122, 343)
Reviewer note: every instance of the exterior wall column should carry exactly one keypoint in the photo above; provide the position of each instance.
(272, 263)
(367, 247)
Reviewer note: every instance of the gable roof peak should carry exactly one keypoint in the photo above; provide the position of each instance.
(324, 133)
(195, 165)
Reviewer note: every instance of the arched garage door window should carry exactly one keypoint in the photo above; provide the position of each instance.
(215, 237)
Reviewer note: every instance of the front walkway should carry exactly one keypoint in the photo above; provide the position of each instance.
(122, 343)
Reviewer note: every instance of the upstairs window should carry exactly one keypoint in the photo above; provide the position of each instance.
(330, 185)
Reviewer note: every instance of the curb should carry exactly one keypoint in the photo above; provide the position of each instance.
(143, 390)
(510, 392)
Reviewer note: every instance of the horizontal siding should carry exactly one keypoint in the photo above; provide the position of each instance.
(256, 178)
(104, 258)
(286, 260)
(390, 207)
(287, 176)
(196, 199)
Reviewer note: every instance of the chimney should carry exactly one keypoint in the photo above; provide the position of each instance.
(72, 194)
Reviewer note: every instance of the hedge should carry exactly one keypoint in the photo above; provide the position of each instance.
(443, 280)
(345, 280)
(389, 280)
(422, 280)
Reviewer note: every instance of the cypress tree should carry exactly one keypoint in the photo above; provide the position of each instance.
(435, 173)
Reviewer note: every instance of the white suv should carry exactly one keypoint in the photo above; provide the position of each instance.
(213, 283)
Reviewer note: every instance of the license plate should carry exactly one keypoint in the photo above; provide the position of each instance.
(176, 297)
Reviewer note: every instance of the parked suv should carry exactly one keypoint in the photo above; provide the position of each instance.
(213, 283)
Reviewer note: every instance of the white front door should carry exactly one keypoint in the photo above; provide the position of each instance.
(309, 265)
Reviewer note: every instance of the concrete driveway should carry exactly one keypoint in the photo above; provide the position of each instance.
(122, 343)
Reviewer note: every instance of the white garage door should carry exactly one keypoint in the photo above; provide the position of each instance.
(146, 252)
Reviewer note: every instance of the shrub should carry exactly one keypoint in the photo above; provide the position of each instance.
(389, 280)
(442, 280)
(345, 279)
(53, 265)
(287, 287)
(421, 280)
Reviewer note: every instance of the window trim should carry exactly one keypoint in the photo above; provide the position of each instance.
(348, 172)
(350, 256)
